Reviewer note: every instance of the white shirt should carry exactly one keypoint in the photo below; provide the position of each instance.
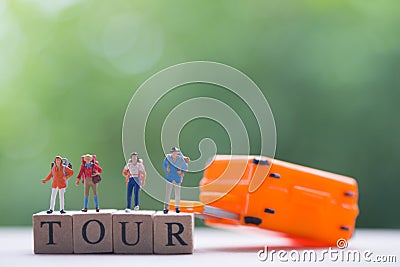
(134, 169)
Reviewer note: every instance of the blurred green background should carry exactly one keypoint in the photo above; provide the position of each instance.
(69, 68)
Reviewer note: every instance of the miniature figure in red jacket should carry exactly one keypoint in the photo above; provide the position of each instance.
(89, 168)
(60, 174)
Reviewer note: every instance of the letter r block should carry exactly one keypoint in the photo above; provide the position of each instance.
(52, 233)
(173, 233)
(92, 231)
(133, 232)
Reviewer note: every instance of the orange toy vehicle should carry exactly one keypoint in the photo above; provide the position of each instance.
(279, 196)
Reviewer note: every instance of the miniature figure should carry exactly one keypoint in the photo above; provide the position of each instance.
(60, 174)
(135, 178)
(175, 165)
(90, 172)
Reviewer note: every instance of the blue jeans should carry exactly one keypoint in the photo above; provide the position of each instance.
(133, 184)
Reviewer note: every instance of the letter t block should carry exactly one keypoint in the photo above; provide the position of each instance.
(52, 233)
(173, 233)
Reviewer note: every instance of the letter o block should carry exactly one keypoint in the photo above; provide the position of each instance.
(92, 232)
(173, 233)
(52, 233)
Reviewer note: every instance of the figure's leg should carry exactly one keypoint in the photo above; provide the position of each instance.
(94, 188)
(95, 198)
(137, 190)
(177, 196)
(129, 194)
(52, 200)
(86, 196)
(61, 194)
(168, 188)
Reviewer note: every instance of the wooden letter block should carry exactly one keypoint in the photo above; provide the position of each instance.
(133, 232)
(92, 231)
(173, 233)
(52, 233)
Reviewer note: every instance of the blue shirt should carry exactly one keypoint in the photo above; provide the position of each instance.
(179, 164)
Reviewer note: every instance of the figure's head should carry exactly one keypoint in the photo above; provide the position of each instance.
(87, 158)
(174, 151)
(58, 160)
(134, 157)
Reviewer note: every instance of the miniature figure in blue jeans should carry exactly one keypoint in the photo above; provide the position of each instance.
(175, 165)
(135, 177)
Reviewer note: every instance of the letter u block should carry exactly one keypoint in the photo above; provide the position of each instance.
(92, 231)
(133, 232)
(173, 233)
(52, 233)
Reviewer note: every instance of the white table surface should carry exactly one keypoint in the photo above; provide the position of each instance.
(213, 247)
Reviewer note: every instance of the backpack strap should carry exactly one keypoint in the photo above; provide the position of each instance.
(94, 162)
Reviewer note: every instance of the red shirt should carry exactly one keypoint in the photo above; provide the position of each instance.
(86, 172)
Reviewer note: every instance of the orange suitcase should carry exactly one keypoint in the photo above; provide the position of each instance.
(275, 195)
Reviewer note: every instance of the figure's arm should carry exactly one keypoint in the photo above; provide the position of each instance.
(80, 173)
(165, 164)
(125, 171)
(143, 174)
(69, 172)
(78, 178)
(45, 180)
(97, 168)
(185, 166)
